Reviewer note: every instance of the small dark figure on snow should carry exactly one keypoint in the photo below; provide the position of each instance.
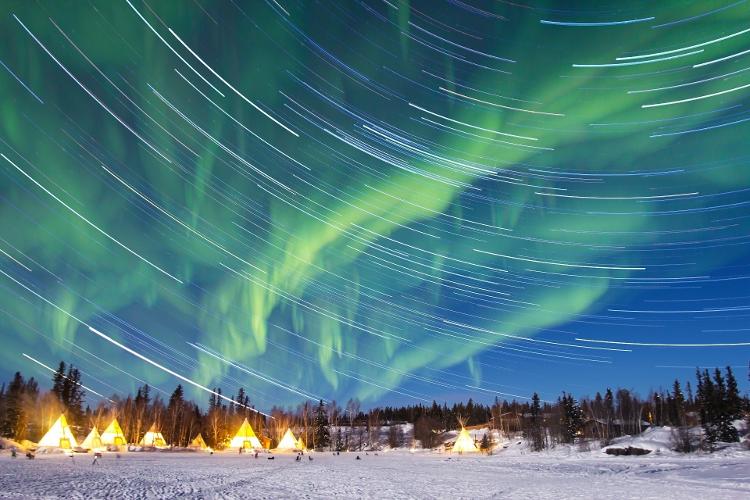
(256, 454)
(30, 455)
(97, 456)
(358, 458)
(309, 457)
(13, 453)
(271, 458)
(299, 458)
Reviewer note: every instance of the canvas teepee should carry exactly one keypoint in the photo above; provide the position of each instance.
(198, 442)
(92, 441)
(287, 443)
(153, 438)
(301, 444)
(59, 435)
(245, 437)
(464, 443)
(113, 435)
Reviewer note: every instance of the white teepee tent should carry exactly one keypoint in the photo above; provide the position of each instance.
(198, 442)
(287, 443)
(59, 435)
(301, 444)
(153, 438)
(113, 435)
(464, 443)
(93, 441)
(245, 437)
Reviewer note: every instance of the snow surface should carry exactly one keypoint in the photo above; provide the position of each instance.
(513, 472)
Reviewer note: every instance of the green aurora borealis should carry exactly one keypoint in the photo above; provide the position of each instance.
(454, 176)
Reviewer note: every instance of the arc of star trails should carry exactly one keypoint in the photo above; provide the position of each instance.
(84, 219)
(574, 24)
(178, 221)
(234, 364)
(471, 126)
(126, 96)
(657, 344)
(503, 106)
(91, 94)
(697, 98)
(682, 49)
(171, 372)
(656, 197)
(15, 260)
(251, 103)
(528, 339)
(23, 84)
(217, 142)
(173, 50)
(637, 63)
(725, 58)
(564, 264)
(240, 123)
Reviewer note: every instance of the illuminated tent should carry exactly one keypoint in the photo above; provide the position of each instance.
(153, 438)
(198, 442)
(464, 443)
(92, 441)
(288, 443)
(113, 435)
(59, 435)
(301, 444)
(245, 437)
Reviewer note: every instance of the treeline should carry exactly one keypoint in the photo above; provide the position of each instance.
(716, 404)
(26, 412)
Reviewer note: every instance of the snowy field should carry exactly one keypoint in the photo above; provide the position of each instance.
(397, 474)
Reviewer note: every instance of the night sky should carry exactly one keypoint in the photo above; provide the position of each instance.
(390, 200)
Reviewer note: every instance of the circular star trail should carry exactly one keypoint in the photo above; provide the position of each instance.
(386, 200)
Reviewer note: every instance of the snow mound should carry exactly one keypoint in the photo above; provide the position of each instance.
(656, 440)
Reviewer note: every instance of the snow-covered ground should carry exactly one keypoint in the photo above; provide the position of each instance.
(512, 473)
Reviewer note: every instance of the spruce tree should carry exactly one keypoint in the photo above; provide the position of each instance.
(677, 405)
(533, 433)
(75, 395)
(58, 381)
(321, 431)
(734, 402)
(15, 422)
(725, 431)
(706, 401)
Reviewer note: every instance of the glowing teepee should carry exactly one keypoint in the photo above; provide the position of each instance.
(301, 444)
(92, 441)
(113, 435)
(198, 442)
(245, 437)
(288, 443)
(59, 435)
(153, 438)
(464, 443)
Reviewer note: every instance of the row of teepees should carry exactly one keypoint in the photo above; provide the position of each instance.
(59, 435)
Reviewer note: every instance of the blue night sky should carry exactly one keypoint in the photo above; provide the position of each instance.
(386, 200)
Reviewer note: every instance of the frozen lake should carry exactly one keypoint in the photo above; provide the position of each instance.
(388, 475)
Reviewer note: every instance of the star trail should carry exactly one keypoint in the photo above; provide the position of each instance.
(387, 200)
